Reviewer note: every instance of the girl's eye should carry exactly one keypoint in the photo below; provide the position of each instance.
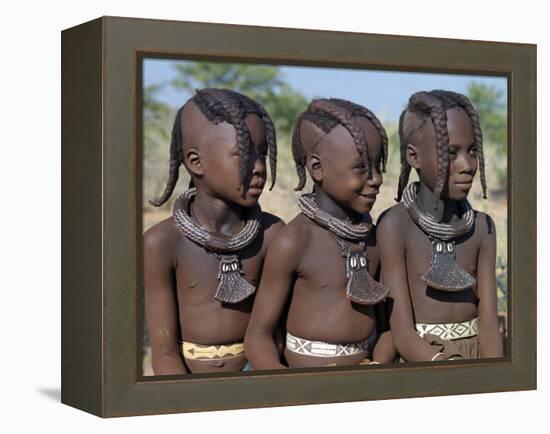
(473, 152)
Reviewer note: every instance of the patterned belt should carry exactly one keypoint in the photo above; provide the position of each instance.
(449, 331)
(208, 352)
(325, 349)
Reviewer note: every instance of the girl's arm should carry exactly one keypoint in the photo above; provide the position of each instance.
(276, 282)
(490, 340)
(161, 304)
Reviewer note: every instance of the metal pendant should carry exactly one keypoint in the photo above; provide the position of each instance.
(444, 273)
(361, 287)
(233, 287)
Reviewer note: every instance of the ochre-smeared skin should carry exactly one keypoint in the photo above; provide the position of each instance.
(180, 277)
(187, 310)
(304, 265)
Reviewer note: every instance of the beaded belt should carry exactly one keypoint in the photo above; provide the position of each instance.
(207, 352)
(449, 331)
(325, 349)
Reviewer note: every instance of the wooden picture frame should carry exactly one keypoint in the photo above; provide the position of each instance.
(101, 216)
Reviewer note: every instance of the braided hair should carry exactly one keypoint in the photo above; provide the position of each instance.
(219, 105)
(326, 114)
(433, 106)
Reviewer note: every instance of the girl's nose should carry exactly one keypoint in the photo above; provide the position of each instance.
(259, 165)
(375, 178)
(467, 164)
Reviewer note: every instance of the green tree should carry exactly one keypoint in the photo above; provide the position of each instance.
(491, 106)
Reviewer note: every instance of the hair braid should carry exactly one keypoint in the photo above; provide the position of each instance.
(237, 116)
(271, 148)
(175, 161)
(468, 107)
(230, 108)
(405, 166)
(439, 120)
(359, 110)
(344, 117)
(321, 120)
(326, 114)
(434, 105)
(430, 105)
(219, 105)
(299, 155)
(270, 134)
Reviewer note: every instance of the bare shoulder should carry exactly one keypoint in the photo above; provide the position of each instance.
(393, 221)
(292, 238)
(484, 224)
(271, 224)
(161, 237)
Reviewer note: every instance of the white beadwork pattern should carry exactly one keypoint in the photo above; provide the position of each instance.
(325, 349)
(449, 331)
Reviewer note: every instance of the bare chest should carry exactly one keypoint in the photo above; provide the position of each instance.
(323, 265)
(432, 305)
(197, 270)
(419, 252)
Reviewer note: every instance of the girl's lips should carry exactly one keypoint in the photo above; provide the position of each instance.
(370, 195)
(463, 185)
(255, 191)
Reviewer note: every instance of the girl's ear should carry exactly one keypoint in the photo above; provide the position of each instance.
(413, 158)
(315, 167)
(193, 162)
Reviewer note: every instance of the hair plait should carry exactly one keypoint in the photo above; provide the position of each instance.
(223, 105)
(326, 114)
(433, 106)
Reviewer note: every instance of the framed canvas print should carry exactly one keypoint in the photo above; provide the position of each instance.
(257, 216)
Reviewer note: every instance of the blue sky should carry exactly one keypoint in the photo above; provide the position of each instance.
(384, 92)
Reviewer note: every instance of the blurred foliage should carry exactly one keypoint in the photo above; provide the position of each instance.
(155, 113)
(491, 106)
(157, 127)
(490, 103)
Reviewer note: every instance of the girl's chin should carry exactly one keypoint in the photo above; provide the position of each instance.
(362, 209)
(249, 201)
(459, 195)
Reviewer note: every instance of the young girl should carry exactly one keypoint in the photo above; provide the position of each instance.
(322, 263)
(203, 264)
(437, 253)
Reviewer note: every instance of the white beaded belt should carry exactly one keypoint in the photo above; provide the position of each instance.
(325, 349)
(449, 331)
